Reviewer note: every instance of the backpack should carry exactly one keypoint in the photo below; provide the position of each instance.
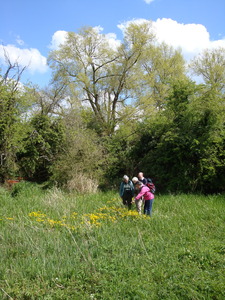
(150, 185)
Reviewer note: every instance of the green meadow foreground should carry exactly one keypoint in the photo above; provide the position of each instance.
(65, 246)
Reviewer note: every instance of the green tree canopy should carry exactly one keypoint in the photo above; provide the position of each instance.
(99, 71)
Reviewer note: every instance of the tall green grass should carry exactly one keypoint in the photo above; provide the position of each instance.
(55, 245)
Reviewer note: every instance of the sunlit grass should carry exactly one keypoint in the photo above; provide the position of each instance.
(64, 246)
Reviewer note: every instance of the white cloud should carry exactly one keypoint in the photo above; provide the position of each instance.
(113, 41)
(190, 38)
(31, 58)
(148, 1)
(217, 44)
(59, 37)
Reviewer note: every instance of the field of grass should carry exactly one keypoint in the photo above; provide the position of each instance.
(65, 246)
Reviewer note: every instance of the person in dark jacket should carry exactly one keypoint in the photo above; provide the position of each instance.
(142, 178)
(126, 191)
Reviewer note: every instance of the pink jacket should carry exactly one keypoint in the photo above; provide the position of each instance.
(145, 192)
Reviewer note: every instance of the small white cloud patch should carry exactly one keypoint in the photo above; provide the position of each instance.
(59, 37)
(19, 41)
(148, 1)
(30, 58)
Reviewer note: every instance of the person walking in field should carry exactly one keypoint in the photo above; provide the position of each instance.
(144, 192)
(126, 191)
(138, 202)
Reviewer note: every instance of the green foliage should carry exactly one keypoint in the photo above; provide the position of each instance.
(183, 147)
(43, 145)
(26, 189)
(210, 65)
(100, 74)
(209, 142)
(160, 67)
(119, 156)
(61, 246)
(13, 129)
(83, 154)
(142, 114)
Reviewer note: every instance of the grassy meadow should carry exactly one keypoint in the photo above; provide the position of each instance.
(55, 246)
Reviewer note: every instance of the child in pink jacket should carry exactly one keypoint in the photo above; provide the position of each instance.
(148, 197)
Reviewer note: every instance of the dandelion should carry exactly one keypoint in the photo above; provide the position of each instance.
(36, 214)
(71, 227)
(74, 215)
(40, 220)
(113, 219)
(51, 222)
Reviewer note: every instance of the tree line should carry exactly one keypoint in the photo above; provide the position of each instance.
(114, 109)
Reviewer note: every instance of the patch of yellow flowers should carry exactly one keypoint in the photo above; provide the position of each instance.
(102, 216)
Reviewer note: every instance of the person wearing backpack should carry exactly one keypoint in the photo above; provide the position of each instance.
(126, 191)
(147, 181)
(150, 185)
(144, 192)
(142, 178)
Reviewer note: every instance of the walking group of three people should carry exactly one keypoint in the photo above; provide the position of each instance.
(136, 188)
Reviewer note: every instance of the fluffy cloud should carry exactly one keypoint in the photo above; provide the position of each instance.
(113, 41)
(58, 38)
(190, 38)
(31, 58)
(187, 36)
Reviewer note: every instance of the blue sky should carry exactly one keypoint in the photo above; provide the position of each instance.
(29, 29)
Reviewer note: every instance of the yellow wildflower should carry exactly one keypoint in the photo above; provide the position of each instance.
(37, 214)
